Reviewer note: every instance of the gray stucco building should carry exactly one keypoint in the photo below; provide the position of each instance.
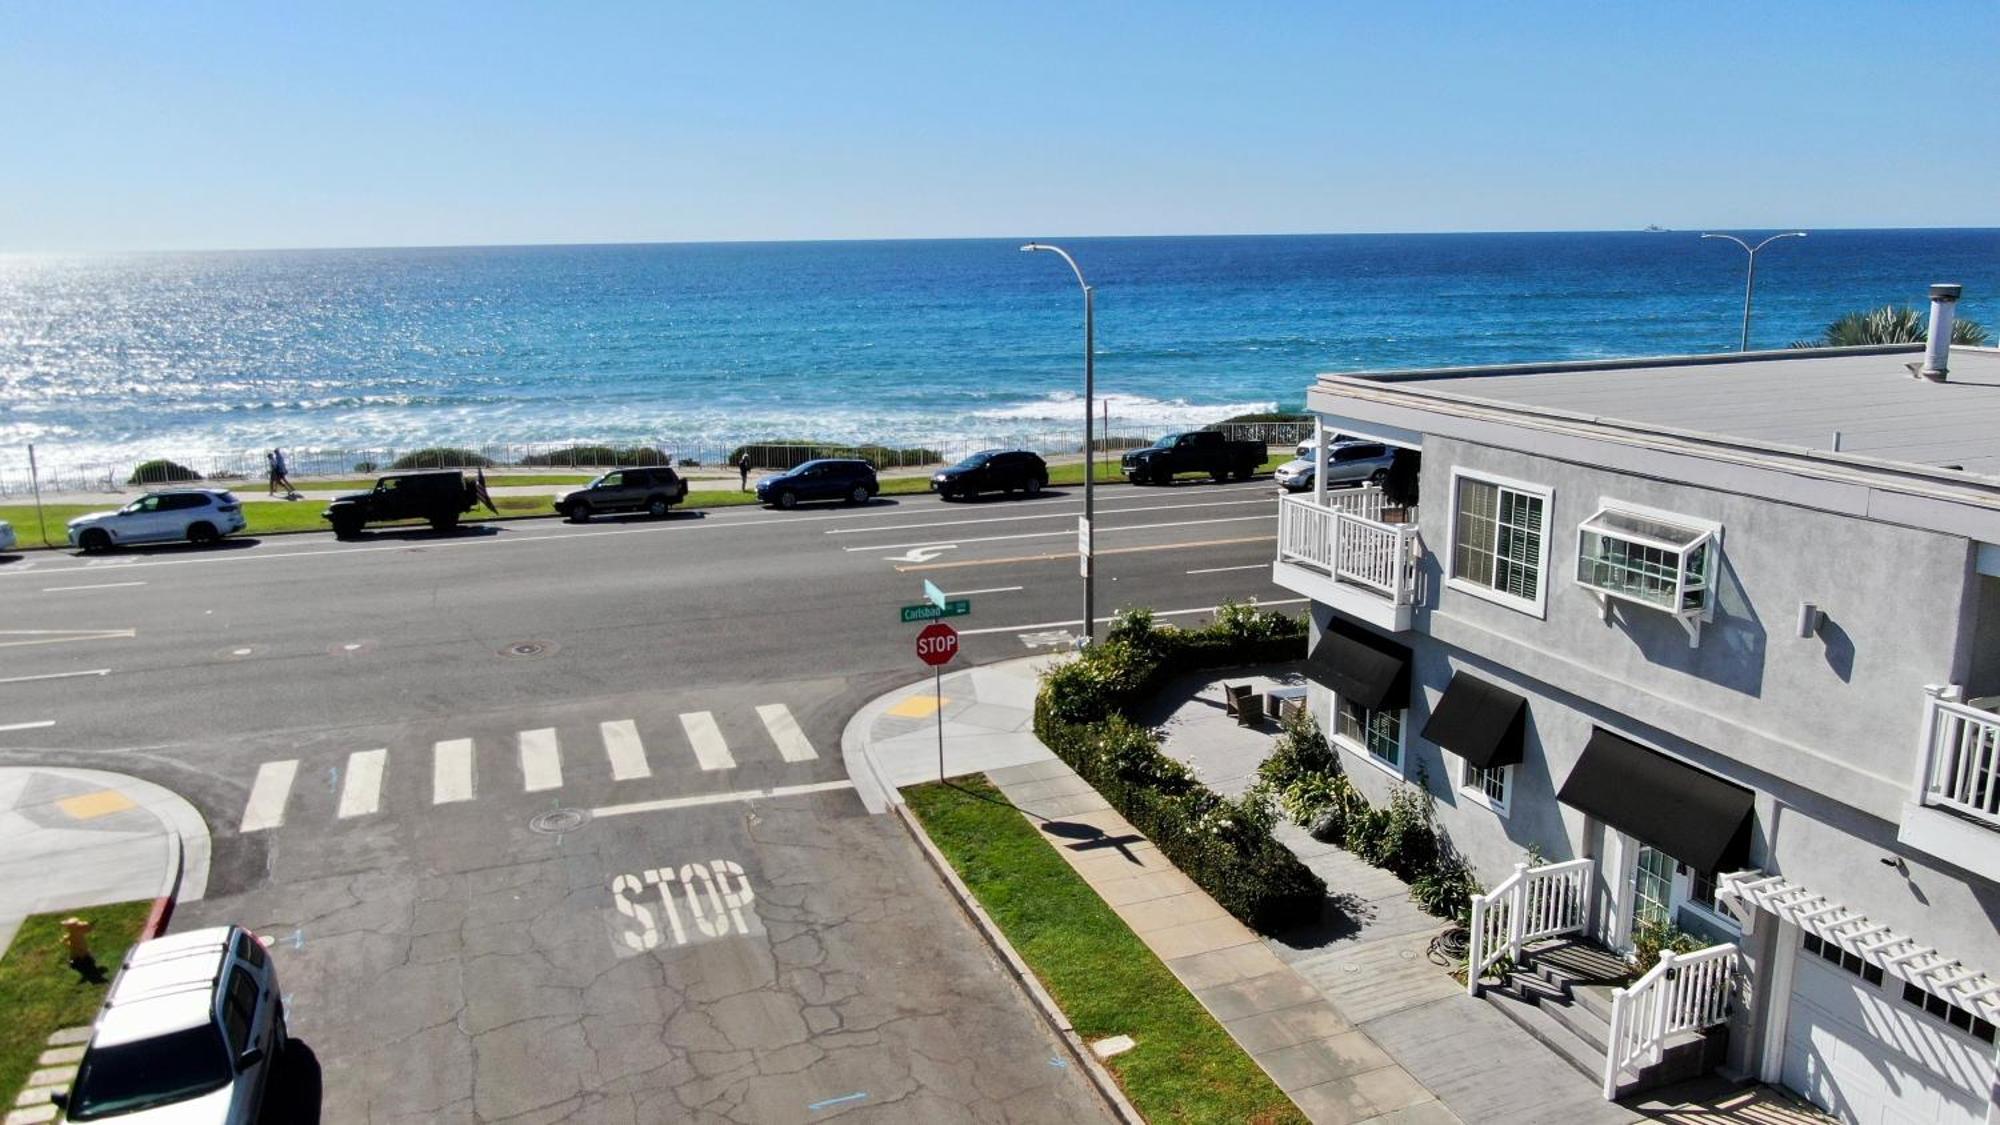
(1728, 627)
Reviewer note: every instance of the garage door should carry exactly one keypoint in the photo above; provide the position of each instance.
(1859, 1051)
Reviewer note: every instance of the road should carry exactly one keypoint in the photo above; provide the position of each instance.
(548, 821)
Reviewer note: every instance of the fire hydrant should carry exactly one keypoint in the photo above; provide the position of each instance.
(76, 938)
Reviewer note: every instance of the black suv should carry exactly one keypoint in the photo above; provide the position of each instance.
(439, 497)
(825, 479)
(992, 470)
(654, 490)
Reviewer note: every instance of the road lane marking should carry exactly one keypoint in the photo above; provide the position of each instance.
(1079, 620)
(1052, 555)
(988, 590)
(1101, 513)
(541, 760)
(721, 798)
(55, 676)
(94, 586)
(30, 726)
(361, 793)
(266, 807)
(785, 732)
(451, 771)
(1227, 569)
(1064, 532)
(627, 753)
(921, 554)
(706, 738)
(64, 636)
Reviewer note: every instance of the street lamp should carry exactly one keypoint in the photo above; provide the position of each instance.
(1750, 285)
(1085, 548)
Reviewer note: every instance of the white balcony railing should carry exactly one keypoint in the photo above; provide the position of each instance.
(1684, 992)
(1961, 767)
(1347, 541)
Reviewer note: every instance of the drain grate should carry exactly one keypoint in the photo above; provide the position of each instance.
(529, 650)
(557, 822)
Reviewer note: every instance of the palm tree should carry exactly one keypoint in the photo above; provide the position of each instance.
(1890, 324)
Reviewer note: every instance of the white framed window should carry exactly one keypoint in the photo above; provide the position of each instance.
(1489, 785)
(1378, 735)
(1658, 560)
(1499, 540)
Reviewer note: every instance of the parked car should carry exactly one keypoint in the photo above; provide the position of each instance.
(1310, 446)
(653, 489)
(1353, 462)
(992, 470)
(1295, 476)
(439, 497)
(194, 515)
(1197, 451)
(190, 1032)
(6, 536)
(828, 478)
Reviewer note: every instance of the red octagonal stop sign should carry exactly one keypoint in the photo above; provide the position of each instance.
(937, 643)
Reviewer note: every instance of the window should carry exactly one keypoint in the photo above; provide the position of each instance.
(239, 1010)
(1489, 783)
(1655, 560)
(1380, 733)
(250, 951)
(1832, 954)
(1948, 1012)
(1701, 889)
(1497, 539)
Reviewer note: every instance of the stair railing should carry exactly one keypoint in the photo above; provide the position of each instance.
(1531, 904)
(1684, 992)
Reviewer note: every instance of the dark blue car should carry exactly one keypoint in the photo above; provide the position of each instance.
(829, 478)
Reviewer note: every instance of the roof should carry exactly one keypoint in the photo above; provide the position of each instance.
(1796, 399)
(167, 984)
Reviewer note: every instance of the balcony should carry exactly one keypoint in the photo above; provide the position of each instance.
(1345, 555)
(1956, 813)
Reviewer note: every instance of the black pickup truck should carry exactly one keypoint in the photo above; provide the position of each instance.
(1197, 451)
(439, 497)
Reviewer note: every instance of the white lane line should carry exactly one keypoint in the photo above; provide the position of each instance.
(1071, 532)
(266, 808)
(55, 676)
(451, 771)
(721, 798)
(1079, 620)
(792, 742)
(64, 636)
(97, 586)
(627, 753)
(988, 590)
(541, 760)
(1101, 513)
(1227, 569)
(361, 793)
(30, 726)
(706, 738)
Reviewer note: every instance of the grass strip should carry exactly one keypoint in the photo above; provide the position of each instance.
(41, 994)
(1185, 1068)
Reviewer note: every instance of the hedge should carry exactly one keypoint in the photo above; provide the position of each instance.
(595, 456)
(161, 471)
(1226, 846)
(442, 457)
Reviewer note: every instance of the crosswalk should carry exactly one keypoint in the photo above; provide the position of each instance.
(455, 765)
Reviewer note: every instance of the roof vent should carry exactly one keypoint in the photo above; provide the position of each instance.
(1937, 350)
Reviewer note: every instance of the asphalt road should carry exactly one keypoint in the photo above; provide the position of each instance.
(489, 792)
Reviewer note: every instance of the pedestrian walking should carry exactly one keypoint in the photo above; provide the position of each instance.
(276, 459)
(743, 473)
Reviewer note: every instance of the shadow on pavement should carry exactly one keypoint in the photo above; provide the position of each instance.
(145, 550)
(293, 1096)
(423, 534)
(641, 517)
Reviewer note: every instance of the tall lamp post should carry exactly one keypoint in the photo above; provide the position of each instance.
(1085, 547)
(1750, 284)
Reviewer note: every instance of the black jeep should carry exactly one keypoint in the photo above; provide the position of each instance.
(439, 497)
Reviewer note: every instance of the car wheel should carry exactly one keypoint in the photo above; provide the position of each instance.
(579, 512)
(788, 499)
(1218, 475)
(1035, 486)
(658, 506)
(1378, 476)
(202, 532)
(444, 521)
(859, 495)
(96, 539)
(1244, 473)
(346, 528)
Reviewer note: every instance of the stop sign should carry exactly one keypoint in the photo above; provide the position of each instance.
(937, 643)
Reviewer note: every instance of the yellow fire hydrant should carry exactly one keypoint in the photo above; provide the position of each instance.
(76, 938)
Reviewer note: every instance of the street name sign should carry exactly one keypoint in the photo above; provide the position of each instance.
(957, 607)
(937, 644)
(932, 594)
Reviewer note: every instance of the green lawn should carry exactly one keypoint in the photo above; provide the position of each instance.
(1185, 1068)
(41, 994)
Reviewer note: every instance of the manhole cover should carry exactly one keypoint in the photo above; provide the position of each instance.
(556, 822)
(529, 650)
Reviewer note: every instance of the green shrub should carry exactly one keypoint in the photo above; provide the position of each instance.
(1410, 842)
(1655, 938)
(1445, 890)
(1301, 752)
(161, 471)
(441, 457)
(364, 466)
(599, 456)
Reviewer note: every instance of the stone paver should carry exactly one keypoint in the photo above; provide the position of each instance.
(58, 1056)
(32, 1115)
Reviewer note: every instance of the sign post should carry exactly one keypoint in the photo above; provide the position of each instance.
(936, 645)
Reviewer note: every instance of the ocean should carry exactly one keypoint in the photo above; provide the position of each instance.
(693, 346)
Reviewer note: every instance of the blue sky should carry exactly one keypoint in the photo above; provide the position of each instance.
(213, 125)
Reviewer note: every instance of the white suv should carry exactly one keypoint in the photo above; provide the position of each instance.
(197, 515)
(190, 1033)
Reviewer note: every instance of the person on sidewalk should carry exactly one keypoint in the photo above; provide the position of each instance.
(279, 479)
(743, 473)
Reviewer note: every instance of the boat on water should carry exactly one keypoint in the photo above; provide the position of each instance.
(1655, 228)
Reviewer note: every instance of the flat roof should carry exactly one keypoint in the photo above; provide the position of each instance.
(1795, 399)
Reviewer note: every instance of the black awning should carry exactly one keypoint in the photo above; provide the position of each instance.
(1361, 666)
(1479, 721)
(1694, 816)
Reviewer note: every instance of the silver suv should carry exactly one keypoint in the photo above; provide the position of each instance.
(1348, 462)
(190, 1032)
(652, 490)
(197, 515)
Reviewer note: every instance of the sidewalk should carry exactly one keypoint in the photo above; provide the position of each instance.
(75, 838)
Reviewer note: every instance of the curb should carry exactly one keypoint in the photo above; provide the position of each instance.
(163, 906)
(1107, 1087)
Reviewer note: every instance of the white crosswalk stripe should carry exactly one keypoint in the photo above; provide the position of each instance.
(266, 808)
(786, 733)
(451, 771)
(706, 738)
(541, 761)
(361, 794)
(627, 753)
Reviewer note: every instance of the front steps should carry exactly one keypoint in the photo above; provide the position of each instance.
(1561, 995)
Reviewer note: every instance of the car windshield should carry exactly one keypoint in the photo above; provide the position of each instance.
(1166, 441)
(974, 461)
(138, 505)
(150, 1072)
